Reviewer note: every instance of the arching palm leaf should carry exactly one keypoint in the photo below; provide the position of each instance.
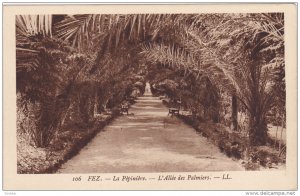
(28, 26)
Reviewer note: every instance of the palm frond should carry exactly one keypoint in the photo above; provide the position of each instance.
(29, 25)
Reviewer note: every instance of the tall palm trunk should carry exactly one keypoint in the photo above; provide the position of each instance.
(96, 103)
(258, 107)
(257, 129)
(234, 114)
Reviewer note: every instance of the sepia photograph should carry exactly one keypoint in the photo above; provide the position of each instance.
(136, 93)
(150, 92)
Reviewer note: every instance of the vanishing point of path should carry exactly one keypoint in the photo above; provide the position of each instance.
(148, 141)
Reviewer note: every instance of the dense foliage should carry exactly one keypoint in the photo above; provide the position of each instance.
(72, 67)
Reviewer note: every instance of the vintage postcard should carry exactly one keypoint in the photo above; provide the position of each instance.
(150, 97)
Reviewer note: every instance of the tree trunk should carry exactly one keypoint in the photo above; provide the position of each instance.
(91, 107)
(276, 137)
(280, 140)
(96, 104)
(257, 130)
(234, 114)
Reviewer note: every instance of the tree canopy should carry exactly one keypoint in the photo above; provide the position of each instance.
(197, 56)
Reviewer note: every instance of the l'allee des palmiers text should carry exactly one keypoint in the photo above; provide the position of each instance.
(128, 178)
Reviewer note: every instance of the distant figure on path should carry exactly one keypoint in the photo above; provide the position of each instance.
(148, 89)
(124, 107)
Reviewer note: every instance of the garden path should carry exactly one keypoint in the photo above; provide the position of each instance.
(148, 141)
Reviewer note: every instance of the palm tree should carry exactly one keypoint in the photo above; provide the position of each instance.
(215, 46)
(230, 61)
(51, 75)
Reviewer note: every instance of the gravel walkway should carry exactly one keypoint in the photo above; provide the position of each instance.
(148, 141)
